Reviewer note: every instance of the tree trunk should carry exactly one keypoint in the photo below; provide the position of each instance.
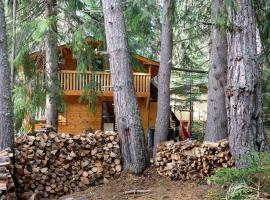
(13, 50)
(6, 111)
(51, 64)
(164, 75)
(216, 128)
(128, 120)
(246, 131)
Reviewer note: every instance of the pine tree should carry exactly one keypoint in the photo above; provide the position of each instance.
(6, 111)
(126, 108)
(216, 108)
(51, 52)
(13, 50)
(164, 74)
(246, 130)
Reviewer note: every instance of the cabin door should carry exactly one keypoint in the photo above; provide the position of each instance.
(108, 118)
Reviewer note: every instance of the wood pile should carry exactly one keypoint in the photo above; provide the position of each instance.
(50, 164)
(191, 160)
(7, 187)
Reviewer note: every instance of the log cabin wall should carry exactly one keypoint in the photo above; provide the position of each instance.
(79, 118)
(144, 112)
(152, 114)
(68, 62)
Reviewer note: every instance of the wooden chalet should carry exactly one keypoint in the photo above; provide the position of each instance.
(77, 117)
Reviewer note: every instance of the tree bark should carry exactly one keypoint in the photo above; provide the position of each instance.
(216, 128)
(13, 50)
(128, 120)
(51, 64)
(6, 110)
(246, 131)
(164, 75)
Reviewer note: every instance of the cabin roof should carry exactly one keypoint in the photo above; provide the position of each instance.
(144, 61)
(147, 61)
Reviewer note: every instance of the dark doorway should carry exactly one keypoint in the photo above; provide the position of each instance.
(108, 118)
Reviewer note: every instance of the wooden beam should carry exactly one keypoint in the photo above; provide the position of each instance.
(180, 69)
(189, 70)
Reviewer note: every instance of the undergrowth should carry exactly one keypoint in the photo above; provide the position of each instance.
(246, 183)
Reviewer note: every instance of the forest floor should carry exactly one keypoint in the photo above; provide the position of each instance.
(154, 186)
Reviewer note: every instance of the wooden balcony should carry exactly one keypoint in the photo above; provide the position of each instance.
(73, 83)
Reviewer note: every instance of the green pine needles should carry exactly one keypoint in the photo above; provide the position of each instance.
(247, 182)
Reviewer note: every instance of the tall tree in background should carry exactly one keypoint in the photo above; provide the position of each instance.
(6, 111)
(216, 108)
(51, 53)
(246, 131)
(262, 8)
(13, 50)
(164, 74)
(128, 120)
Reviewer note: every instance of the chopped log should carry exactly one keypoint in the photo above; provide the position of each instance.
(50, 165)
(191, 160)
(7, 186)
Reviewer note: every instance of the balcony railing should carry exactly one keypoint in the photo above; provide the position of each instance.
(73, 82)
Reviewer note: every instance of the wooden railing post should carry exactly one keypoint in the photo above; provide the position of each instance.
(73, 81)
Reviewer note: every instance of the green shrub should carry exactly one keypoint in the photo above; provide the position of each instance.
(244, 182)
(239, 191)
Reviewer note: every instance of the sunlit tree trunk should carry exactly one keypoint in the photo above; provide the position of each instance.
(6, 111)
(51, 53)
(246, 131)
(164, 75)
(128, 119)
(216, 108)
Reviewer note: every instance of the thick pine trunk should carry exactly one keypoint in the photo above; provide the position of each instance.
(217, 77)
(246, 131)
(164, 75)
(6, 111)
(128, 120)
(51, 64)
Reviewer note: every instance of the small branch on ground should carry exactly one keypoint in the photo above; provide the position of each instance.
(137, 192)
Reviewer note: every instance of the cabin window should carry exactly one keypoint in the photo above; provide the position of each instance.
(108, 118)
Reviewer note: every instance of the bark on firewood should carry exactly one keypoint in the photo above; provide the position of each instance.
(50, 165)
(7, 187)
(191, 160)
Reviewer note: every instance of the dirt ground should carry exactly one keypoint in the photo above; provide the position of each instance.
(153, 186)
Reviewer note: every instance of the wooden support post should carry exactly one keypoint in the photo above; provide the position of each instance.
(150, 69)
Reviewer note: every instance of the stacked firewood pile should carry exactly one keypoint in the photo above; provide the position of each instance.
(7, 187)
(50, 164)
(191, 160)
